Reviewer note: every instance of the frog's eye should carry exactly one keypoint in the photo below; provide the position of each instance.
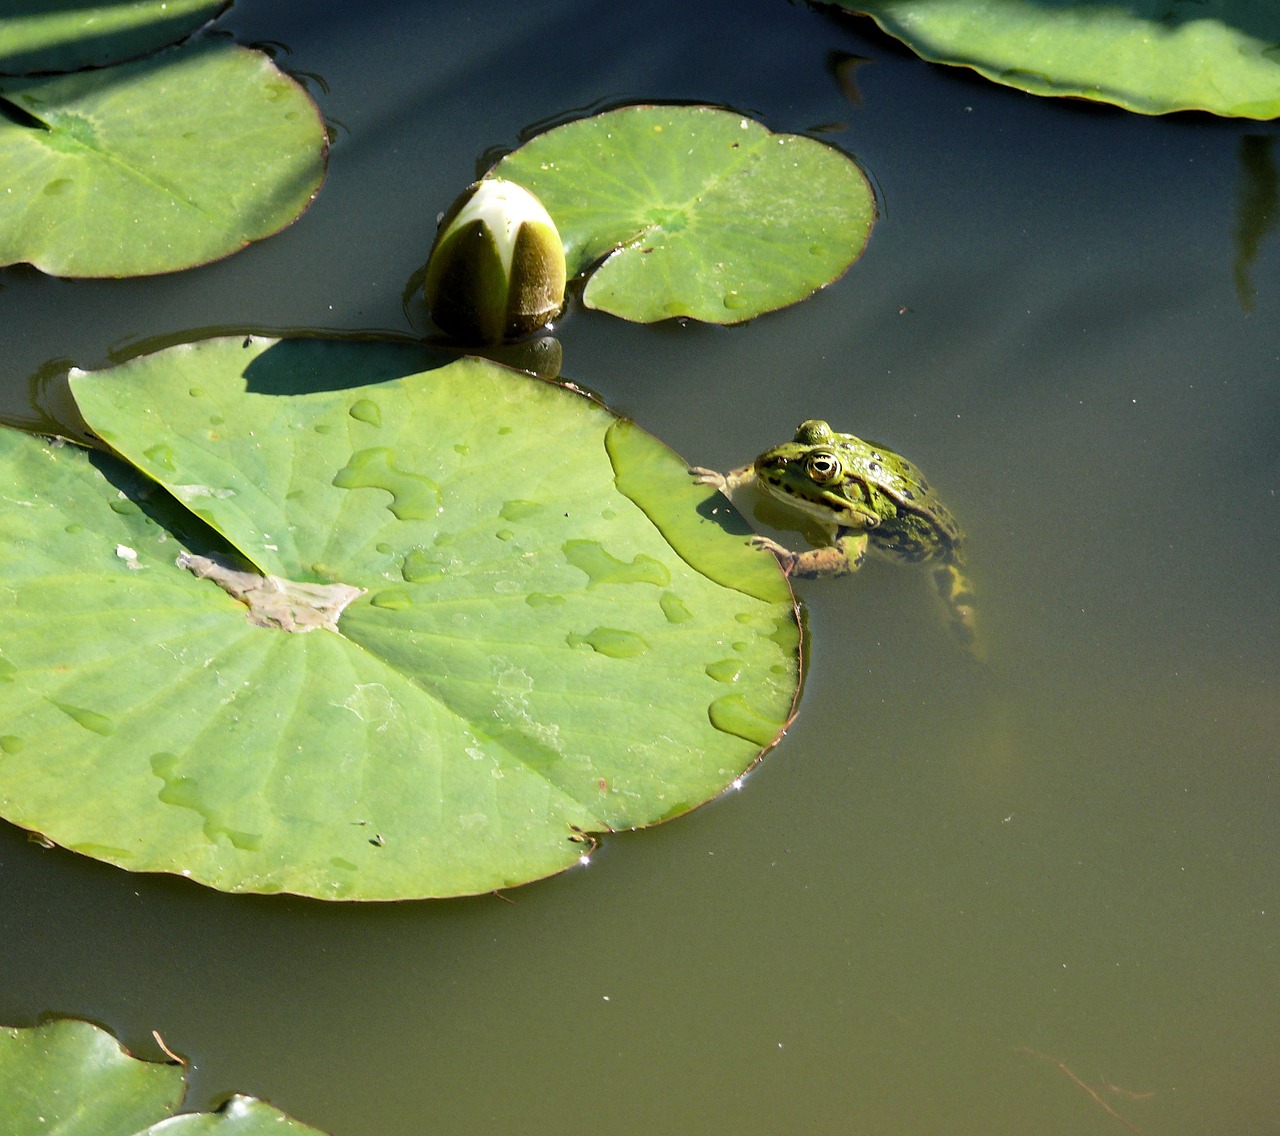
(824, 467)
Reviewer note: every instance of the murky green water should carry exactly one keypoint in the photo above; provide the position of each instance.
(1038, 895)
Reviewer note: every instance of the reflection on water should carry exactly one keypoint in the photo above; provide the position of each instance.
(1032, 895)
(1258, 210)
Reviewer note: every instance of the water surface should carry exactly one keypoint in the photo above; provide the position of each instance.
(1035, 895)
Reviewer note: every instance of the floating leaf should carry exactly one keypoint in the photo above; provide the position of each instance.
(543, 632)
(51, 35)
(157, 165)
(697, 211)
(75, 1079)
(1149, 56)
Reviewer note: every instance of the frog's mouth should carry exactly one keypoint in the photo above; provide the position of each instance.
(828, 506)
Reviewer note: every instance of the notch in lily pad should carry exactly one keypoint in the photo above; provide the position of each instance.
(695, 211)
(497, 269)
(110, 172)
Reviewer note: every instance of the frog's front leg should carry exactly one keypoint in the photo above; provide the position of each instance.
(727, 483)
(842, 556)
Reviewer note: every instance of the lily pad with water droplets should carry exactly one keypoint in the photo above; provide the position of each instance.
(174, 160)
(696, 211)
(52, 35)
(72, 1078)
(527, 624)
(1149, 56)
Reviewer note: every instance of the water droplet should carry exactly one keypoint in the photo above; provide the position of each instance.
(519, 510)
(196, 392)
(543, 599)
(725, 670)
(366, 410)
(734, 300)
(418, 566)
(185, 793)
(786, 633)
(414, 496)
(124, 507)
(73, 528)
(11, 743)
(603, 568)
(323, 428)
(383, 547)
(161, 455)
(504, 534)
(740, 646)
(732, 714)
(90, 719)
(674, 609)
(57, 187)
(610, 641)
(393, 599)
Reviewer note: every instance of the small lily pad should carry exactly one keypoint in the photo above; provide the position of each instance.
(695, 211)
(1149, 56)
(51, 35)
(176, 159)
(72, 1078)
(416, 637)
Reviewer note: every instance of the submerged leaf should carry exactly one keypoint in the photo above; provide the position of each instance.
(1149, 56)
(174, 160)
(697, 211)
(542, 646)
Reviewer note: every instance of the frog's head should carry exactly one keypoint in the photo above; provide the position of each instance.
(814, 479)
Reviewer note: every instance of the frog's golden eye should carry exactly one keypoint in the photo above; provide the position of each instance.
(823, 467)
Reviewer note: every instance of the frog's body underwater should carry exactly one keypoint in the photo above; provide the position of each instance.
(860, 493)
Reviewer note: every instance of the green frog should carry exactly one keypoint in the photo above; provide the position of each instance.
(860, 494)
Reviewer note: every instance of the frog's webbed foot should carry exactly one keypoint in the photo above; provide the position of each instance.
(957, 593)
(786, 557)
(704, 476)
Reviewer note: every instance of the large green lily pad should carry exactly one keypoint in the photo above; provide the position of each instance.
(1149, 56)
(52, 35)
(697, 211)
(72, 1078)
(152, 166)
(487, 617)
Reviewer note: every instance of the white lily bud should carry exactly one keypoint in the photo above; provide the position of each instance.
(497, 267)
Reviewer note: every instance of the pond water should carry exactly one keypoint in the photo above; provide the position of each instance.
(1037, 894)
